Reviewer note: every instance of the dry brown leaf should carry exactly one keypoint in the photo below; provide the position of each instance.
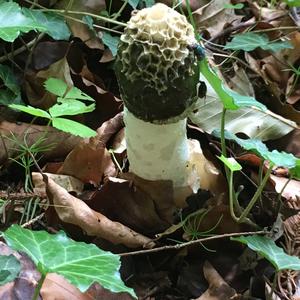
(214, 17)
(24, 285)
(79, 29)
(132, 203)
(90, 160)
(48, 53)
(72, 210)
(292, 189)
(62, 142)
(240, 82)
(34, 84)
(71, 184)
(56, 287)
(218, 288)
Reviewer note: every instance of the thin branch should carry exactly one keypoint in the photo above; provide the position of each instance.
(179, 246)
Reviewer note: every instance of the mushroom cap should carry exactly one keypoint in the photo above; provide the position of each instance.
(156, 71)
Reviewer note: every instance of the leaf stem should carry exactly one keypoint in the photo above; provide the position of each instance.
(39, 286)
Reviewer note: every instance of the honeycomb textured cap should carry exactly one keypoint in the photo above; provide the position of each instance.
(154, 61)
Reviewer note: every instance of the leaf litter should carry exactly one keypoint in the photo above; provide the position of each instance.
(120, 212)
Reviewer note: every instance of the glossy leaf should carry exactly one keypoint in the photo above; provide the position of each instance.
(73, 127)
(10, 268)
(277, 158)
(133, 3)
(269, 250)
(9, 79)
(250, 40)
(13, 22)
(80, 263)
(55, 25)
(111, 42)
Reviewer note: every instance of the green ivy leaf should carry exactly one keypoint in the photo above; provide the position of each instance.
(134, 3)
(70, 108)
(73, 127)
(80, 263)
(282, 159)
(277, 158)
(88, 20)
(31, 110)
(13, 22)
(10, 268)
(244, 101)
(9, 79)
(149, 3)
(55, 25)
(269, 250)
(111, 42)
(250, 40)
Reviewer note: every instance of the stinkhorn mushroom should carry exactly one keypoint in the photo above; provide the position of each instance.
(158, 75)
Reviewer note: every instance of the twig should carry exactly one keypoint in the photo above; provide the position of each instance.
(179, 246)
(19, 50)
(27, 224)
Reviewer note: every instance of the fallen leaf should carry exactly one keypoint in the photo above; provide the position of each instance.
(71, 184)
(72, 210)
(145, 206)
(90, 160)
(214, 17)
(218, 288)
(291, 190)
(59, 143)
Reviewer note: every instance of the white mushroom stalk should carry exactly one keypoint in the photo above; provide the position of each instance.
(158, 76)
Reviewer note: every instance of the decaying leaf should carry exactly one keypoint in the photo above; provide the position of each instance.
(71, 184)
(89, 161)
(214, 16)
(72, 210)
(218, 288)
(59, 143)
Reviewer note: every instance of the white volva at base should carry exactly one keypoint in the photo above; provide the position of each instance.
(158, 152)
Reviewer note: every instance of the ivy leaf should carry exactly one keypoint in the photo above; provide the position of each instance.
(277, 158)
(55, 25)
(134, 3)
(244, 101)
(70, 108)
(73, 127)
(269, 250)
(250, 40)
(9, 79)
(13, 22)
(31, 110)
(111, 42)
(10, 268)
(80, 263)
